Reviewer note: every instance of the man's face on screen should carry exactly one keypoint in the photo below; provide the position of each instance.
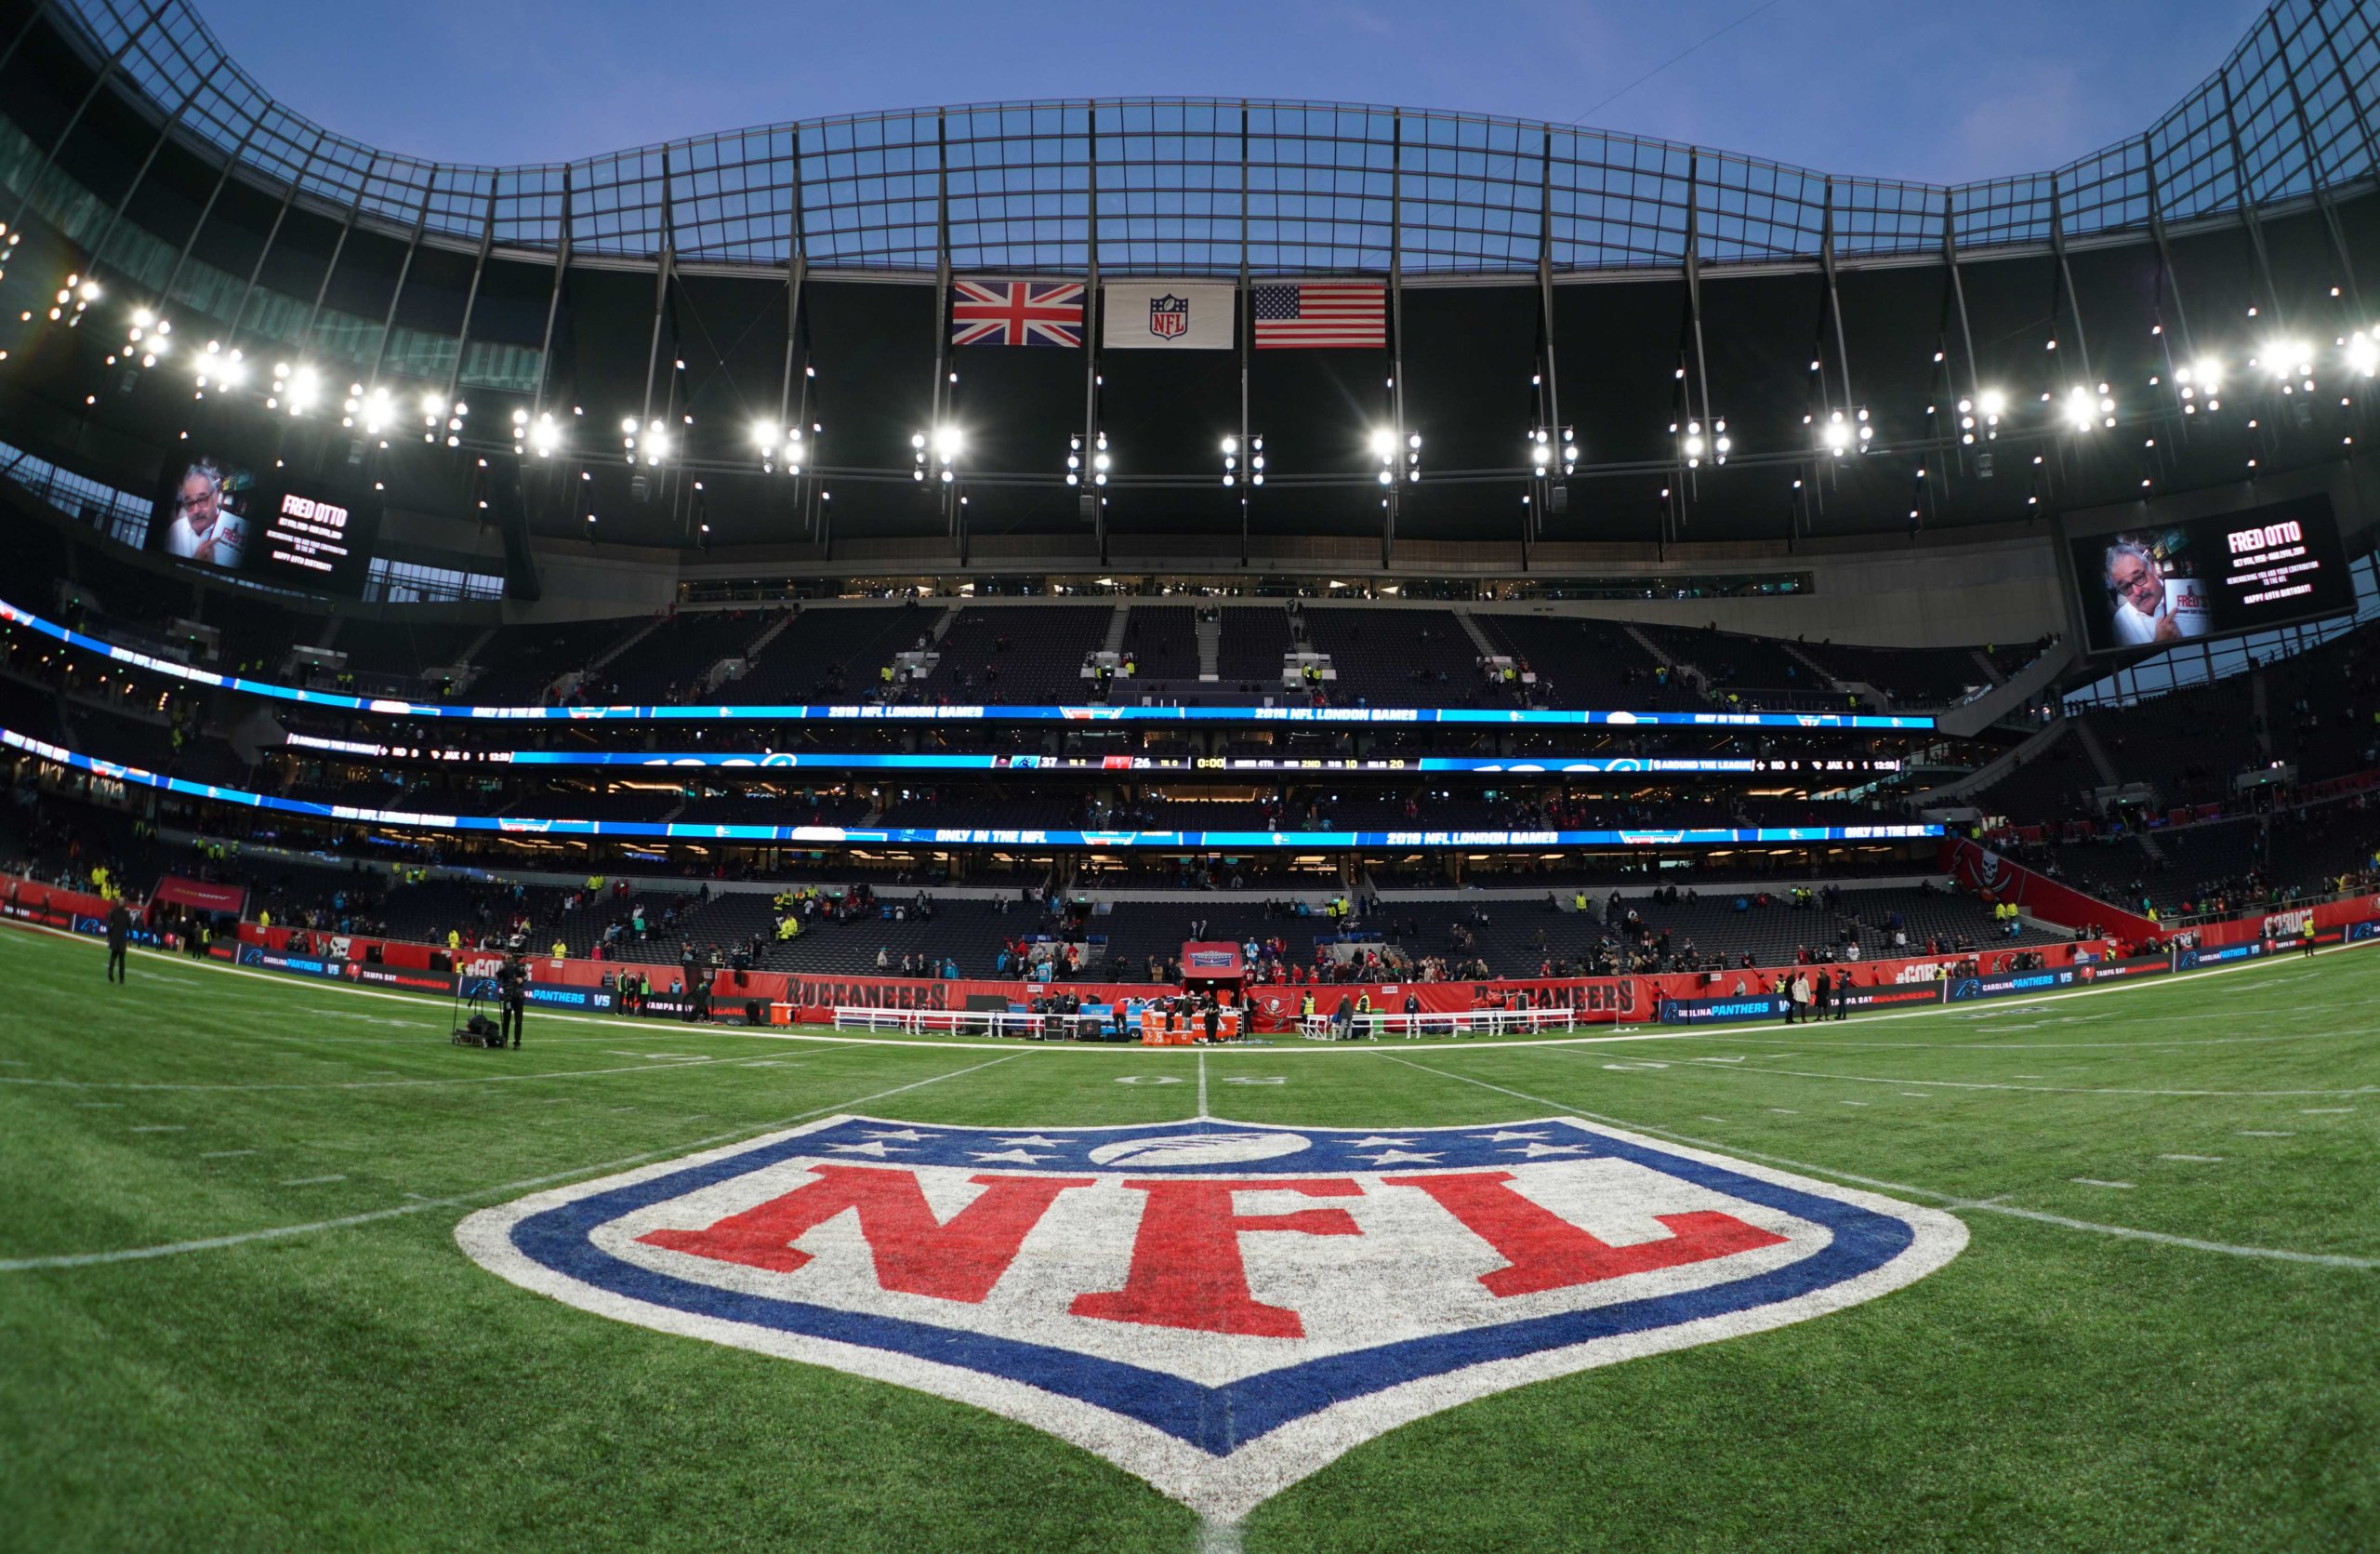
(2137, 582)
(199, 501)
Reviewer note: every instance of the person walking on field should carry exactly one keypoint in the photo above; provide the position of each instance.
(119, 936)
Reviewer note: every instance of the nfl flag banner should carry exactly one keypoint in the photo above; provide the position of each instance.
(1016, 313)
(1316, 313)
(1168, 315)
(1220, 1308)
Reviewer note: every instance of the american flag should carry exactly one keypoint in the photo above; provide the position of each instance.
(1016, 313)
(1322, 312)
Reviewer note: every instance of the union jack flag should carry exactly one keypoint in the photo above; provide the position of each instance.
(1016, 313)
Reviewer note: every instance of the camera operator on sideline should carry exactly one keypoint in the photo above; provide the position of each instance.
(512, 996)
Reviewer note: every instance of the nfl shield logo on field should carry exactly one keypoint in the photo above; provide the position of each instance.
(1168, 316)
(1219, 1308)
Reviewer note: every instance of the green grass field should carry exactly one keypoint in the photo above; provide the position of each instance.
(234, 1315)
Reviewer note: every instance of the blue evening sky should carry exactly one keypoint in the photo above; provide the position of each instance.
(1910, 88)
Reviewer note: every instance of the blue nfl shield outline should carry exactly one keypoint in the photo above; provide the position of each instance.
(1168, 316)
(1219, 1440)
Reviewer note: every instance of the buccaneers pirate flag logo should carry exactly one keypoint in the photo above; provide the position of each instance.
(1219, 1308)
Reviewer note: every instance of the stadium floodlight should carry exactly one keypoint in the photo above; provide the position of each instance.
(148, 337)
(75, 298)
(2087, 411)
(1413, 457)
(1231, 461)
(1844, 432)
(1979, 415)
(944, 443)
(650, 442)
(2200, 384)
(778, 444)
(375, 409)
(294, 388)
(543, 436)
(1100, 460)
(2363, 352)
(2290, 362)
(1695, 444)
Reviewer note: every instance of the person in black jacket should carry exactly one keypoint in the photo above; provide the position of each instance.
(119, 937)
(512, 998)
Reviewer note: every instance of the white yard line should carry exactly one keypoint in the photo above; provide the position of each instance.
(2035, 1089)
(1949, 1200)
(279, 1233)
(676, 1066)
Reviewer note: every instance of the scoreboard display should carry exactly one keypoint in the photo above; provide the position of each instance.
(2214, 576)
(215, 512)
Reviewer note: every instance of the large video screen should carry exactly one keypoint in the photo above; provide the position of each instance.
(214, 511)
(2157, 585)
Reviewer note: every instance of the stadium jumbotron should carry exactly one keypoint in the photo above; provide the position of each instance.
(1236, 825)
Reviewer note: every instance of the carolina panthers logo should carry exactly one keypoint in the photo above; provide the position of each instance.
(1220, 1308)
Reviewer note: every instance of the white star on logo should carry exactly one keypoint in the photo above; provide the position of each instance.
(1395, 1157)
(1375, 1141)
(1533, 1150)
(1030, 1138)
(1502, 1137)
(907, 1136)
(878, 1151)
(1021, 1157)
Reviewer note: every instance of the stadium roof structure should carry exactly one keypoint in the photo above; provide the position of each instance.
(1540, 277)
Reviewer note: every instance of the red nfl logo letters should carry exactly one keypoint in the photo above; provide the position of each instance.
(1219, 1308)
(1168, 316)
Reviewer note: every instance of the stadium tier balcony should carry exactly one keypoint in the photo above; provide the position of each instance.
(1908, 676)
(1025, 654)
(1163, 641)
(1585, 663)
(520, 662)
(831, 654)
(1400, 658)
(1251, 642)
(672, 663)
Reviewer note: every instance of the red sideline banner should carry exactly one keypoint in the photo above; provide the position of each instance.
(2288, 924)
(206, 895)
(1997, 879)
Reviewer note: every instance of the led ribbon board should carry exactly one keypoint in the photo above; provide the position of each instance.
(869, 713)
(823, 836)
(778, 760)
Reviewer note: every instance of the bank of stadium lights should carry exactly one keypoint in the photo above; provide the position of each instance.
(2362, 349)
(1695, 444)
(148, 337)
(2087, 411)
(295, 389)
(1100, 462)
(1543, 451)
(1255, 461)
(543, 436)
(373, 410)
(944, 445)
(779, 444)
(75, 299)
(2199, 385)
(2290, 365)
(1979, 415)
(648, 443)
(435, 408)
(1843, 432)
(216, 367)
